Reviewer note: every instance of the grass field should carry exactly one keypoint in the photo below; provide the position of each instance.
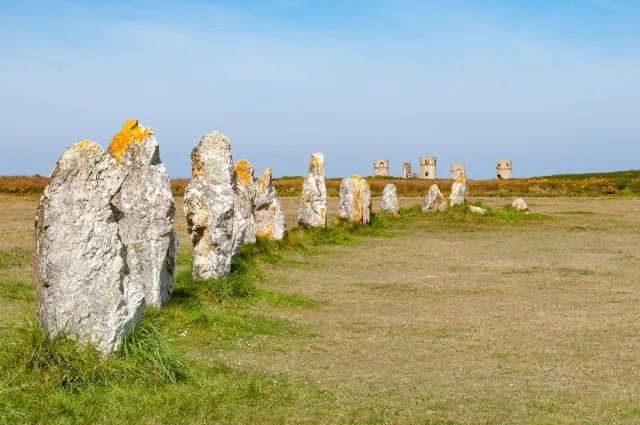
(441, 318)
(620, 183)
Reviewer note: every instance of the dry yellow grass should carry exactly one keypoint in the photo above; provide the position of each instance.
(458, 321)
(625, 183)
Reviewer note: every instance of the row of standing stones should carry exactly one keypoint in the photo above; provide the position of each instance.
(105, 244)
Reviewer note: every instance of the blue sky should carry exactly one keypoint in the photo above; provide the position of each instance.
(552, 85)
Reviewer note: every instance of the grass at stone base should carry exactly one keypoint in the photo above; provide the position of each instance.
(172, 368)
(169, 369)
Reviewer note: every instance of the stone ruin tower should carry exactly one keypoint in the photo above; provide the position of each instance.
(428, 167)
(381, 167)
(456, 169)
(406, 170)
(503, 169)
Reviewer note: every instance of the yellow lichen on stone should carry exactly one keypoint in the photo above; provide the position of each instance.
(461, 177)
(87, 143)
(131, 132)
(242, 173)
(267, 233)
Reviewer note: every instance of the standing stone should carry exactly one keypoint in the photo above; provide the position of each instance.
(520, 205)
(270, 219)
(355, 199)
(244, 226)
(148, 209)
(81, 273)
(312, 209)
(390, 202)
(435, 200)
(209, 206)
(459, 190)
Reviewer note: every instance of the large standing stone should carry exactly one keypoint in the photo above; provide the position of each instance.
(520, 205)
(459, 190)
(209, 206)
(244, 226)
(81, 273)
(355, 199)
(312, 208)
(270, 219)
(434, 201)
(390, 202)
(148, 208)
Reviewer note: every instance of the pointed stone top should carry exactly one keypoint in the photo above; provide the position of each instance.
(462, 177)
(316, 164)
(244, 172)
(131, 132)
(86, 143)
(357, 179)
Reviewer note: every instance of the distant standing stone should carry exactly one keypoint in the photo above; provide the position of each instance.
(477, 210)
(355, 199)
(148, 208)
(81, 275)
(520, 205)
(435, 200)
(209, 206)
(459, 190)
(312, 208)
(390, 202)
(269, 217)
(244, 227)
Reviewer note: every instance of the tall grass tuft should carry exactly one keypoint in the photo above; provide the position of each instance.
(60, 362)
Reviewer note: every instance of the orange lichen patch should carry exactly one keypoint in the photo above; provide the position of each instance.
(356, 207)
(272, 208)
(242, 172)
(268, 233)
(360, 181)
(461, 178)
(131, 132)
(87, 143)
(264, 180)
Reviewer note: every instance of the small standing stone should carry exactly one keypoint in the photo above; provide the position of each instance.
(312, 208)
(435, 200)
(209, 206)
(269, 217)
(390, 202)
(459, 190)
(82, 281)
(520, 205)
(477, 210)
(148, 209)
(355, 199)
(244, 231)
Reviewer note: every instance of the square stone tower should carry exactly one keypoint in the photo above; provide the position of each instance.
(503, 169)
(406, 170)
(427, 167)
(380, 167)
(456, 169)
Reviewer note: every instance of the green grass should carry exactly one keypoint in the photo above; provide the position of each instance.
(172, 367)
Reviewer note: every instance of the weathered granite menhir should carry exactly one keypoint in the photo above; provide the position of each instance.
(83, 283)
(390, 202)
(312, 208)
(268, 214)
(209, 202)
(105, 245)
(434, 200)
(355, 199)
(459, 191)
(148, 209)
(244, 225)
